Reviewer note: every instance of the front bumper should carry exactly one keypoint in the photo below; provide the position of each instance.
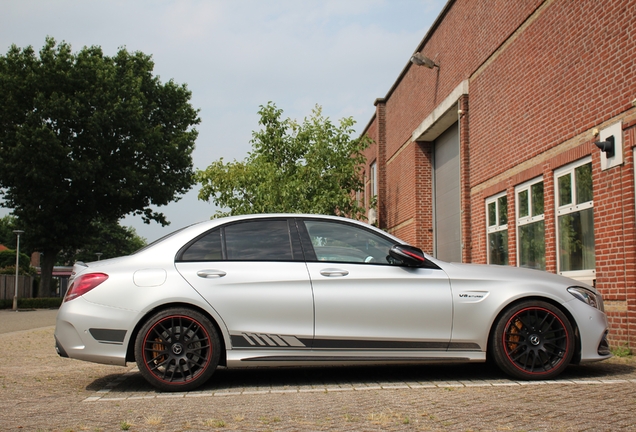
(593, 330)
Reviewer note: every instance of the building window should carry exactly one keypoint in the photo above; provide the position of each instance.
(575, 220)
(373, 181)
(530, 225)
(497, 229)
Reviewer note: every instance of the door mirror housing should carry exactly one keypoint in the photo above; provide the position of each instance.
(408, 255)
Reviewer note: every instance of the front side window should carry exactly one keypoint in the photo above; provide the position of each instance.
(575, 219)
(530, 225)
(338, 242)
(497, 229)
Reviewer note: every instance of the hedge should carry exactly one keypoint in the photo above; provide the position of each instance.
(33, 303)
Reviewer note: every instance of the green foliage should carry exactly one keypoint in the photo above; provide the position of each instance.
(622, 351)
(86, 137)
(110, 239)
(7, 236)
(7, 262)
(311, 167)
(33, 303)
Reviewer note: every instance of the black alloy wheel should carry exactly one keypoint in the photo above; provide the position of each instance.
(177, 349)
(533, 340)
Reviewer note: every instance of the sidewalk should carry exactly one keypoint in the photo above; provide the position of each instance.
(11, 321)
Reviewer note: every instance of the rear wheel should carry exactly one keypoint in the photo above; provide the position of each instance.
(533, 340)
(177, 349)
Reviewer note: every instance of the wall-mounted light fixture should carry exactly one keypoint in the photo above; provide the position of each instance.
(420, 59)
(606, 146)
(610, 142)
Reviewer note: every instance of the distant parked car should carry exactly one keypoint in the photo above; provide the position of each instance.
(288, 289)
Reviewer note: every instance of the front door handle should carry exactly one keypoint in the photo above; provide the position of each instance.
(334, 272)
(211, 274)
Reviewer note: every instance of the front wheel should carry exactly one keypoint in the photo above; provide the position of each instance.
(533, 340)
(177, 349)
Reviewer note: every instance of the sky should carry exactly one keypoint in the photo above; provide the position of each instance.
(235, 55)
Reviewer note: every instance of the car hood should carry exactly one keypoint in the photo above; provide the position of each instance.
(483, 272)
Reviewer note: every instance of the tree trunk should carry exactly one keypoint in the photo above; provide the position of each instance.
(46, 267)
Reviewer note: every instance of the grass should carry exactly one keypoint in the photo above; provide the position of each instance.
(214, 423)
(622, 351)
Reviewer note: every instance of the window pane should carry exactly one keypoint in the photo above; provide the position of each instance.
(565, 190)
(522, 197)
(537, 198)
(532, 245)
(266, 240)
(207, 248)
(374, 179)
(338, 242)
(583, 177)
(492, 213)
(498, 247)
(502, 202)
(576, 241)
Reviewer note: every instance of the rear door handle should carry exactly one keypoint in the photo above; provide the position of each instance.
(211, 274)
(333, 272)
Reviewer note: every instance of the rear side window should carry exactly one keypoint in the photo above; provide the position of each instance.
(207, 248)
(266, 240)
(258, 240)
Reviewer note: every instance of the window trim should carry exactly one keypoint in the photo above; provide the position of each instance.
(497, 227)
(527, 220)
(373, 180)
(587, 275)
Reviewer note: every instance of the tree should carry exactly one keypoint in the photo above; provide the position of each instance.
(7, 236)
(311, 167)
(85, 137)
(7, 262)
(109, 240)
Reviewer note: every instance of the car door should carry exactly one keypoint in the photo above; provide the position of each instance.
(254, 275)
(363, 300)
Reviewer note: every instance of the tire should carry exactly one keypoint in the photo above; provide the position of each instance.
(177, 349)
(533, 340)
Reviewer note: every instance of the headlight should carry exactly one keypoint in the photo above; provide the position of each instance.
(588, 297)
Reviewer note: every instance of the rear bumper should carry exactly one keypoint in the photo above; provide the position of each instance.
(84, 331)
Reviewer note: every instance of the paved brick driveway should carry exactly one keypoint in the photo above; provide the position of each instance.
(40, 391)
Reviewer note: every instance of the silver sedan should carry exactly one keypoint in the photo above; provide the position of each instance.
(289, 289)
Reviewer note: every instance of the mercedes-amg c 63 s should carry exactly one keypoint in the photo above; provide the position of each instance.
(289, 289)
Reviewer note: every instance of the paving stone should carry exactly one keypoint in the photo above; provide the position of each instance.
(41, 391)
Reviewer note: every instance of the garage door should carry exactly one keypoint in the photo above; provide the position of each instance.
(446, 196)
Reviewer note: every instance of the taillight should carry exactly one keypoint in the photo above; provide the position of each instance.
(83, 284)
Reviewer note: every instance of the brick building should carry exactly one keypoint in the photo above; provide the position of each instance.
(487, 154)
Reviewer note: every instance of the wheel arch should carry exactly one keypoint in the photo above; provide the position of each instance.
(130, 349)
(576, 358)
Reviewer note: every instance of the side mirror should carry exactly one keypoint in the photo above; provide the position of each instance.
(409, 255)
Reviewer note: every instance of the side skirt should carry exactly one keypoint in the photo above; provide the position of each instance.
(251, 358)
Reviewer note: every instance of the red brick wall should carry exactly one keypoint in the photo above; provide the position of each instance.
(571, 69)
(469, 33)
(542, 75)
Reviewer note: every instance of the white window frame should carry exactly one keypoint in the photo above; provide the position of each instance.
(497, 227)
(526, 220)
(588, 275)
(373, 179)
